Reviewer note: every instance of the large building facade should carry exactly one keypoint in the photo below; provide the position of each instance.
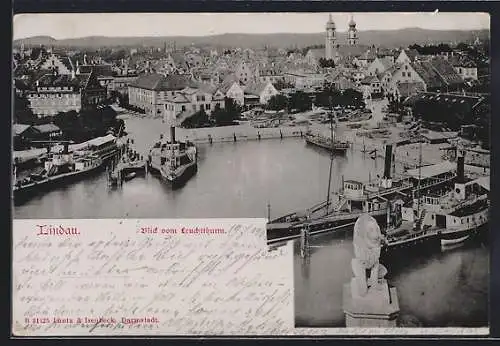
(55, 93)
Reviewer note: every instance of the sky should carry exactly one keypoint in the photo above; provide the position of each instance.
(62, 25)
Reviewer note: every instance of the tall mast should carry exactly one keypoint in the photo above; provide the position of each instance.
(419, 173)
(331, 158)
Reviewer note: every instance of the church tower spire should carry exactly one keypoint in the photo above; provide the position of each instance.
(330, 38)
(352, 34)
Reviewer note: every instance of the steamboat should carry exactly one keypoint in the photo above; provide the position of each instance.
(444, 217)
(65, 165)
(175, 161)
(356, 198)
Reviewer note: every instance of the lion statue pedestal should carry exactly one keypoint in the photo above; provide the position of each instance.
(368, 299)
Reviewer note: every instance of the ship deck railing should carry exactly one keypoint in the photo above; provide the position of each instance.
(412, 235)
(435, 181)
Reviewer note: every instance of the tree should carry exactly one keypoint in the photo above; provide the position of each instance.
(230, 113)
(326, 63)
(352, 97)
(281, 84)
(232, 107)
(199, 119)
(300, 101)
(22, 112)
(277, 102)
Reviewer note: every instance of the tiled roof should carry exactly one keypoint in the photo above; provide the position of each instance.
(46, 128)
(381, 52)
(410, 88)
(351, 50)
(369, 80)
(100, 70)
(368, 55)
(446, 71)
(412, 53)
(228, 82)
(159, 82)
(461, 61)
(178, 98)
(51, 79)
(205, 87)
(255, 88)
(428, 74)
(18, 129)
(386, 63)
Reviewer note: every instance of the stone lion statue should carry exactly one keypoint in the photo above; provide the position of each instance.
(367, 241)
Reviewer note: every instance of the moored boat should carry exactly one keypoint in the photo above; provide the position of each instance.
(60, 168)
(450, 214)
(357, 198)
(174, 160)
(337, 146)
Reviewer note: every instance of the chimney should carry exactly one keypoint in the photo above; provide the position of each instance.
(172, 134)
(460, 169)
(388, 161)
(386, 179)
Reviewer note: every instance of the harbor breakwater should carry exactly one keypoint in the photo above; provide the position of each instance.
(238, 133)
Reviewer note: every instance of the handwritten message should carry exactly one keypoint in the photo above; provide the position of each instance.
(149, 277)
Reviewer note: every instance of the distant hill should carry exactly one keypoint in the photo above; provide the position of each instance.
(386, 38)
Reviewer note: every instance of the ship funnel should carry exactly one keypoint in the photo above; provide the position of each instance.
(172, 134)
(386, 179)
(388, 161)
(460, 169)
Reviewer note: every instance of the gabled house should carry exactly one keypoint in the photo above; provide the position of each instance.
(264, 91)
(435, 74)
(366, 58)
(378, 66)
(407, 55)
(194, 98)
(63, 65)
(464, 66)
(232, 89)
(371, 85)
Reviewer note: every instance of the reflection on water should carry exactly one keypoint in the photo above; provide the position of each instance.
(437, 289)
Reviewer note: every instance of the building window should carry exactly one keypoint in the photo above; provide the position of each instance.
(409, 74)
(207, 106)
(183, 108)
(403, 74)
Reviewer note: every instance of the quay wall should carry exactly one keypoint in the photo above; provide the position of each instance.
(241, 132)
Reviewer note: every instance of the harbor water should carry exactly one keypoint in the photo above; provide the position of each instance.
(234, 179)
(240, 179)
(435, 289)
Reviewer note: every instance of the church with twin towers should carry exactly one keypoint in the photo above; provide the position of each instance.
(331, 44)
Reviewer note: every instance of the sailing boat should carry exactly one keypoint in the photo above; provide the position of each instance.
(331, 144)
